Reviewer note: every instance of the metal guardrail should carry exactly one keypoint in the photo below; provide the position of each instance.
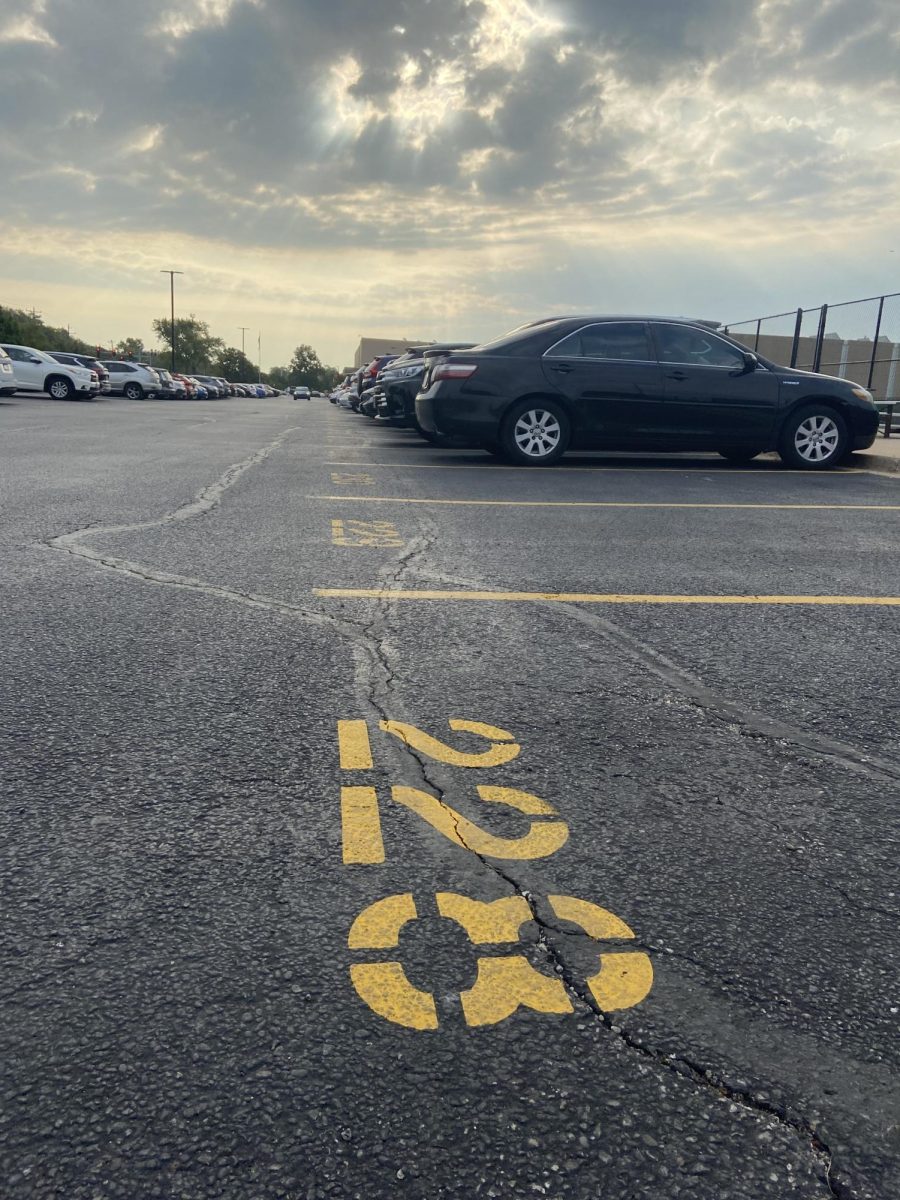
(857, 340)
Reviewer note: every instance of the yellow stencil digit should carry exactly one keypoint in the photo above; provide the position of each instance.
(503, 749)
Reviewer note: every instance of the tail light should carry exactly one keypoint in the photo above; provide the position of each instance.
(453, 370)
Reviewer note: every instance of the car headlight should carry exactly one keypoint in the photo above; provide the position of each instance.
(861, 394)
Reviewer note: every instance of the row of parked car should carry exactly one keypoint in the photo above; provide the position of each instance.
(621, 383)
(67, 376)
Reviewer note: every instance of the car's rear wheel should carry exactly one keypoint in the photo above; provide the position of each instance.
(133, 391)
(739, 454)
(60, 388)
(814, 438)
(535, 433)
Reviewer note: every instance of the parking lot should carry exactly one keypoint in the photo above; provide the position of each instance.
(384, 820)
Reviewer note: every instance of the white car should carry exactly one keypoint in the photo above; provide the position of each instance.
(132, 380)
(7, 375)
(36, 371)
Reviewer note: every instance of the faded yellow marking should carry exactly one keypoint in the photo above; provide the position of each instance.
(495, 756)
(487, 922)
(361, 826)
(386, 990)
(543, 838)
(342, 479)
(766, 469)
(504, 985)
(597, 922)
(365, 533)
(625, 978)
(599, 597)
(354, 746)
(378, 926)
(612, 504)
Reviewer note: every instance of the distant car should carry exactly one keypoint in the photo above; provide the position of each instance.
(224, 386)
(302, 393)
(187, 384)
(84, 360)
(200, 390)
(36, 371)
(7, 375)
(398, 384)
(132, 380)
(639, 383)
(168, 387)
(212, 385)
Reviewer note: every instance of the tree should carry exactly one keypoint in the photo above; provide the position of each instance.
(280, 377)
(307, 369)
(130, 347)
(234, 364)
(195, 346)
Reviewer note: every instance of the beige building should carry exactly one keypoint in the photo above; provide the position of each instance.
(370, 348)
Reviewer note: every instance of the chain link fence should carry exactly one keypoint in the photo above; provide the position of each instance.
(857, 340)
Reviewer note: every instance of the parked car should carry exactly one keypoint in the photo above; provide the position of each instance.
(134, 381)
(301, 393)
(37, 371)
(7, 375)
(212, 385)
(168, 390)
(224, 386)
(200, 390)
(187, 383)
(639, 383)
(399, 382)
(84, 360)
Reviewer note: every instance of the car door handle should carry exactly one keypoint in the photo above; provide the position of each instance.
(563, 368)
(679, 375)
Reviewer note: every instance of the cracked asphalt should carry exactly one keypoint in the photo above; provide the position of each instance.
(179, 1019)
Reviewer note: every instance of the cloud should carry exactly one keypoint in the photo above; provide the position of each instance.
(485, 128)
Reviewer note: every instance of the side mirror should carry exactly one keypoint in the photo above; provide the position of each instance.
(751, 362)
(35, 360)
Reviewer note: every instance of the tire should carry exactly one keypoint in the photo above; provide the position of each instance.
(59, 387)
(534, 433)
(814, 438)
(133, 391)
(739, 454)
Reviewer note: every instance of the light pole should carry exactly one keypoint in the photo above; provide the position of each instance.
(259, 352)
(171, 275)
(245, 329)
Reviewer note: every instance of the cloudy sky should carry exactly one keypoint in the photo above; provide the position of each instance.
(321, 169)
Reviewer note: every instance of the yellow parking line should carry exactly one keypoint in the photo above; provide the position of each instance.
(766, 470)
(598, 597)
(602, 503)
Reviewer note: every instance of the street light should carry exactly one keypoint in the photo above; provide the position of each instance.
(171, 275)
(245, 329)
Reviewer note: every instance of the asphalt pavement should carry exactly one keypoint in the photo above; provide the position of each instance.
(381, 821)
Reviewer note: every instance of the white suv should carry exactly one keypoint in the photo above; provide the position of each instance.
(132, 380)
(36, 371)
(7, 375)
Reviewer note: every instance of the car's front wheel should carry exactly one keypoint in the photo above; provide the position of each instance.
(535, 433)
(133, 391)
(814, 438)
(60, 388)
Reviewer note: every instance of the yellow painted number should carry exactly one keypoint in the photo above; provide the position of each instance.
(504, 983)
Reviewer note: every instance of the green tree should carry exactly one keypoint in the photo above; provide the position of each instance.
(307, 370)
(233, 364)
(279, 377)
(130, 347)
(195, 346)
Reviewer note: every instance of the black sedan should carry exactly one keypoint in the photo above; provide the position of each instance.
(639, 383)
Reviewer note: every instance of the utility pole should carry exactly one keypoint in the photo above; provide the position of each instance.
(245, 329)
(171, 275)
(259, 352)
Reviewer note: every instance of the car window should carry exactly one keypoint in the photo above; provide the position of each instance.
(613, 340)
(18, 355)
(691, 347)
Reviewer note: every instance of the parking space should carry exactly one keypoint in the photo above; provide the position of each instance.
(502, 831)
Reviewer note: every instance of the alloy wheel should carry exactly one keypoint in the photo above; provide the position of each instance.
(537, 433)
(817, 438)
